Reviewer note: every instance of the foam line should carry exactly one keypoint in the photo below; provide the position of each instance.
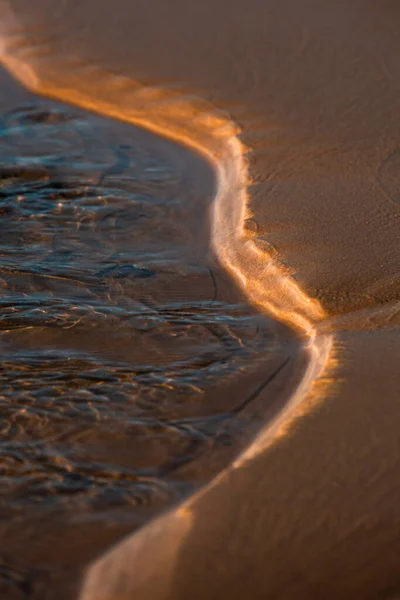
(188, 121)
(194, 124)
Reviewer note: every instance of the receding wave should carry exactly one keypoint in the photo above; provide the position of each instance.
(257, 273)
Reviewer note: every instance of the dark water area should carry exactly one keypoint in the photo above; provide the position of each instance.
(126, 355)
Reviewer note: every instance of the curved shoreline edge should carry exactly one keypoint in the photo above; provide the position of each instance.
(197, 126)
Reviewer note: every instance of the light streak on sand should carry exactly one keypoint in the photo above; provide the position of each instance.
(190, 122)
(194, 124)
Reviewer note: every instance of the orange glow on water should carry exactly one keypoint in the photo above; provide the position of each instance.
(198, 126)
(266, 284)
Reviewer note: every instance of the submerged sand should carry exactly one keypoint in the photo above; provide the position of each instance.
(314, 87)
(81, 469)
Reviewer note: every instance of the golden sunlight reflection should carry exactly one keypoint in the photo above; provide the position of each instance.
(196, 125)
(318, 384)
(256, 270)
(111, 575)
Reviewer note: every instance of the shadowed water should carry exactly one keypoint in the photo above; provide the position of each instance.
(127, 357)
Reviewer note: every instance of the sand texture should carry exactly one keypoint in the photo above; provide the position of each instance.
(311, 510)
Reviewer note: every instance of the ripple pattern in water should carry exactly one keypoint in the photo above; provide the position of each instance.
(122, 346)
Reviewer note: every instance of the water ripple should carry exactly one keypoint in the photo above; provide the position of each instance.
(119, 359)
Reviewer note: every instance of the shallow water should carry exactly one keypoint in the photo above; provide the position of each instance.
(126, 354)
(313, 86)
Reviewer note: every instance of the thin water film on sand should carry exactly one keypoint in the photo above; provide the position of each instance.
(126, 357)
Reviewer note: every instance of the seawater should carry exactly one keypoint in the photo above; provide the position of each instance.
(123, 346)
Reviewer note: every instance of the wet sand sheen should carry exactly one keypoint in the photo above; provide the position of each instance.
(194, 124)
(299, 69)
(181, 283)
(261, 279)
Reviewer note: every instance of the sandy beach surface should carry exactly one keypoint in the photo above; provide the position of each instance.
(314, 87)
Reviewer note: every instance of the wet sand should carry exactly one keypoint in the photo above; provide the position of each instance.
(314, 87)
(136, 418)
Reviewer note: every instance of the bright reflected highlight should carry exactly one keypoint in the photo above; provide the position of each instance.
(196, 125)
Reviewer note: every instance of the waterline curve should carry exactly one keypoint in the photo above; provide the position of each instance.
(194, 124)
